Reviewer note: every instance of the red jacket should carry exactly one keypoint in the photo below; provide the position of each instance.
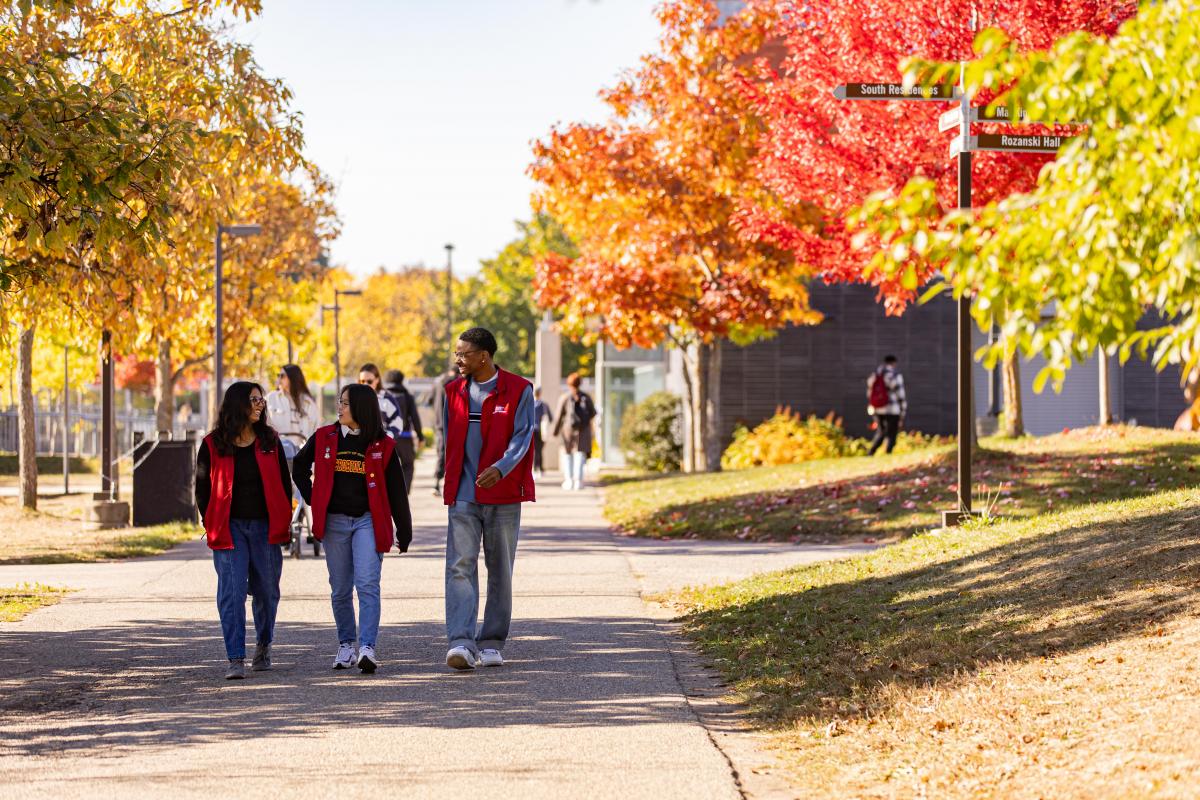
(216, 515)
(498, 422)
(375, 461)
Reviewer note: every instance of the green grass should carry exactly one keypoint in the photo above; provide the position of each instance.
(50, 465)
(148, 541)
(826, 640)
(88, 546)
(18, 601)
(888, 497)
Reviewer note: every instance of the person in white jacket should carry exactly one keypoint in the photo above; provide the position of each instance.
(292, 409)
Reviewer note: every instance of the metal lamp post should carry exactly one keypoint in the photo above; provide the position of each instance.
(337, 345)
(450, 304)
(219, 347)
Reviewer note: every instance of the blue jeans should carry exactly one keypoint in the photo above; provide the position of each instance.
(353, 565)
(253, 566)
(496, 527)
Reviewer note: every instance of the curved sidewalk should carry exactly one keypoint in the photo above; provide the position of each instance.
(118, 689)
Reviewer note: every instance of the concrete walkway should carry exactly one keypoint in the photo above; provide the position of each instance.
(117, 691)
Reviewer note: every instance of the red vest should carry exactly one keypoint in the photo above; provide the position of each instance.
(499, 419)
(375, 461)
(279, 504)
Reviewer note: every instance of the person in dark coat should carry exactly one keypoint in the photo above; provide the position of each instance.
(405, 426)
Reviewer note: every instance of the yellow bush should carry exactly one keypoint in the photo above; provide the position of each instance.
(786, 438)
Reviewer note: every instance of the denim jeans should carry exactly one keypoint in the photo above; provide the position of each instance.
(253, 566)
(353, 565)
(496, 527)
(575, 462)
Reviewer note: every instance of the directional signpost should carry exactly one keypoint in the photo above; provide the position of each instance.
(961, 147)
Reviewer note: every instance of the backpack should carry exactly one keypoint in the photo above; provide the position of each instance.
(877, 392)
(582, 411)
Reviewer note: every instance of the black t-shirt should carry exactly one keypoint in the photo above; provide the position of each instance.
(249, 501)
(349, 495)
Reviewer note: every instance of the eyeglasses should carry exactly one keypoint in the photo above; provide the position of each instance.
(459, 355)
(257, 401)
(343, 403)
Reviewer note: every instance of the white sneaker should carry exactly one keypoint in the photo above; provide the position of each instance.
(346, 657)
(460, 658)
(366, 659)
(490, 657)
(568, 484)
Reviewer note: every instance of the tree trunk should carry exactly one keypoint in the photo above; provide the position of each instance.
(690, 442)
(709, 395)
(27, 428)
(1012, 415)
(164, 388)
(1106, 416)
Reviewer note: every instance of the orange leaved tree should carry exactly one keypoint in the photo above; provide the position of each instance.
(650, 198)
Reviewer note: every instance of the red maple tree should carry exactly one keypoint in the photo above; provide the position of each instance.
(828, 155)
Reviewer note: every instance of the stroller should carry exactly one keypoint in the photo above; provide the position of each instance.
(301, 525)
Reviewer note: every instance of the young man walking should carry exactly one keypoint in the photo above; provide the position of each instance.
(886, 402)
(488, 420)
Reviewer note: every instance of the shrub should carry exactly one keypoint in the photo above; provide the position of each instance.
(650, 433)
(786, 438)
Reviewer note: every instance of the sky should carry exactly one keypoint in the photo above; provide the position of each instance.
(422, 111)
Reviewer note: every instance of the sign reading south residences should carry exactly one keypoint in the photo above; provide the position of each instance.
(1026, 143)
(894, 91)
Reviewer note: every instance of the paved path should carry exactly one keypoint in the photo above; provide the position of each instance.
(118, 689)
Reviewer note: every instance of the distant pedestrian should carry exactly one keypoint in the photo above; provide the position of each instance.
(574, 426)
(293, 408)
(389, 407)
(542, 419)
(243, 492)
(439, 430)
(350, 475)
(887, 402)
(489, 422)
(405, 427)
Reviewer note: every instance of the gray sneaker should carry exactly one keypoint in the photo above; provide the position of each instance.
(262, 658)
(237, 669)
(460, 658)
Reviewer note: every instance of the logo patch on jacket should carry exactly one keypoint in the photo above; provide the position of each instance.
(500, 410)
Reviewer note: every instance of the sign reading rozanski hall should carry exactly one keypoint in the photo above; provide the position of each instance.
(893, 91)
(1011, 142)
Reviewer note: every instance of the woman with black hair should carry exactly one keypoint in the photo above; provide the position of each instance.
(292, 407)
(349, 473)
(243, 492)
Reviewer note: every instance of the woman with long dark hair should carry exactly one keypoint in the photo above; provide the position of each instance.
(293, 408)
(351, 476)
(243, 492)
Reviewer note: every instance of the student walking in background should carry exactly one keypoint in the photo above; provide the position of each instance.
(574, 426)
(292, 408)
(243, 492)
(541, 426)
(489, 424)
(405, 427)
(350, 475)
(389, 409)
(887, 402)
(439, 429)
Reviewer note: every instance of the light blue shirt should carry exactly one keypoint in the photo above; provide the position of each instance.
(523, 424)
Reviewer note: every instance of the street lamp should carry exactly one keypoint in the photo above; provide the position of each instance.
(450, 304)
(335, 308)
(236, 231)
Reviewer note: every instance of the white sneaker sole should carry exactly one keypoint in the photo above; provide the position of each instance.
(459, 661)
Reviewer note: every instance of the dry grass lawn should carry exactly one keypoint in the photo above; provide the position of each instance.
(1052, 657)
(55, 534)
